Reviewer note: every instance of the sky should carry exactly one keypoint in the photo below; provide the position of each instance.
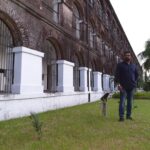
(134, 16)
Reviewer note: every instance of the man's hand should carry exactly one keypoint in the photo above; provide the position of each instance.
(120, 88)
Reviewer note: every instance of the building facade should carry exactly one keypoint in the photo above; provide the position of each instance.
(57, 53)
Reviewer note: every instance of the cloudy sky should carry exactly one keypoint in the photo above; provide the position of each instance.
(134, 15)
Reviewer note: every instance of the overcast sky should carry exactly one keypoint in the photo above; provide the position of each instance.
(134, 15)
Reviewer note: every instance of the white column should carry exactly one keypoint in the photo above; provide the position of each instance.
(27, 71)
(65, 76)
(97, 81)
(106, 82)
(112, 84)
(83, 79)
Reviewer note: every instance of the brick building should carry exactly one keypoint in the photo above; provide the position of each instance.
(57, 53)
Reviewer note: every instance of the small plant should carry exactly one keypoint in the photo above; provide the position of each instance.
(36, 124)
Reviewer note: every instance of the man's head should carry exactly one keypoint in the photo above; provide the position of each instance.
(127, 56)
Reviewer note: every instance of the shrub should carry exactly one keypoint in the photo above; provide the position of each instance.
(137, 95)
(116, 95)
(146, 86)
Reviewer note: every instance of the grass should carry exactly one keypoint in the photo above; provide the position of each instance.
(80, 128)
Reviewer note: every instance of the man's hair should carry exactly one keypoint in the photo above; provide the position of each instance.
(127, 52)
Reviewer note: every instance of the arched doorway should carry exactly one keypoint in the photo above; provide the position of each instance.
(49, 76)
(76, 73)
(6, 58)
(93, 68)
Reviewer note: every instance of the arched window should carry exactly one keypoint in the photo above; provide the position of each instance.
(93, 67)
(49, 67)
(76, 22)
(76, 73)
(6, 58)
(92, 80)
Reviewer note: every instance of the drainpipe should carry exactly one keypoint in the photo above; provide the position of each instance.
(87, 39)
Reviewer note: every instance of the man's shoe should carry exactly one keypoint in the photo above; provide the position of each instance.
(121, 119)
(129, 118)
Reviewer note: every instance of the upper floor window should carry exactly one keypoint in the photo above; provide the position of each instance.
(107, 19)
(76, 21)
(53, 7)
(111, 55)
(91, 2)
(92, 35)
(115, 31)
(117, 59)
(99, 45)
(100, 9)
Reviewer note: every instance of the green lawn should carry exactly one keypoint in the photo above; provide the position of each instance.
(80, 128)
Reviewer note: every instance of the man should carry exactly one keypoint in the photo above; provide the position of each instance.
(126, 76)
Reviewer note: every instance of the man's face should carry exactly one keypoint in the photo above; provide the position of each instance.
(127, 57)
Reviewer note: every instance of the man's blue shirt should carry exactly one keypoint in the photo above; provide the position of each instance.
(127, 75)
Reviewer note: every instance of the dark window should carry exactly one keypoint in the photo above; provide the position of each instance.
(6, 58)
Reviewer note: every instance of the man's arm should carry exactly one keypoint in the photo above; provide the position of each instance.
(117, 78)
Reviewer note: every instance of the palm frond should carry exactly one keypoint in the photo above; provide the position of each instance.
(146, 53)
(36, 124)
(147, 49)
(140, 55)
(146, 64)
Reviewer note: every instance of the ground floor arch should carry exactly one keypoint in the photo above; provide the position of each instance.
(49, 65)
(6, 58)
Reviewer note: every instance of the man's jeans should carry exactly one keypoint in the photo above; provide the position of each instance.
(123, 95)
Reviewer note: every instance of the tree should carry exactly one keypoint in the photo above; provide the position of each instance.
(146, 56)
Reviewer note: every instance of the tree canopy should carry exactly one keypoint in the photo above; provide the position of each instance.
(146, 56)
